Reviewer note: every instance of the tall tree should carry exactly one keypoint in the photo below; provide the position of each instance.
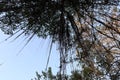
(89, 27)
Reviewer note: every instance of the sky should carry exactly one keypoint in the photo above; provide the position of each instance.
(16, 65)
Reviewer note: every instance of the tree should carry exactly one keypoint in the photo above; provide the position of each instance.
(46, 75)
(89, 27)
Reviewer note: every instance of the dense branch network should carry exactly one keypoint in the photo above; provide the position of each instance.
(90, 27)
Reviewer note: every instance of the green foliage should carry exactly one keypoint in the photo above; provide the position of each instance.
(75, 75)
(89, 27)
(45, 75)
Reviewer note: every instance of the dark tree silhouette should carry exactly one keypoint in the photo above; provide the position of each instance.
(89, 27)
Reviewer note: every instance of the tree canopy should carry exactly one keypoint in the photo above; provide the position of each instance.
(89, 28)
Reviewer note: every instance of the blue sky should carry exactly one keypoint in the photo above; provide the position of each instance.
(32, 58)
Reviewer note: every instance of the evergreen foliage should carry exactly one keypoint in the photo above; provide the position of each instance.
(89, 28)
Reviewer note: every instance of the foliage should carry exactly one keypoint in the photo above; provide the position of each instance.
(88, 27)
(75, 75)
(46, 75)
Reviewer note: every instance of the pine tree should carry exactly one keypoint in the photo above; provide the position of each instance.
(89, 27)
